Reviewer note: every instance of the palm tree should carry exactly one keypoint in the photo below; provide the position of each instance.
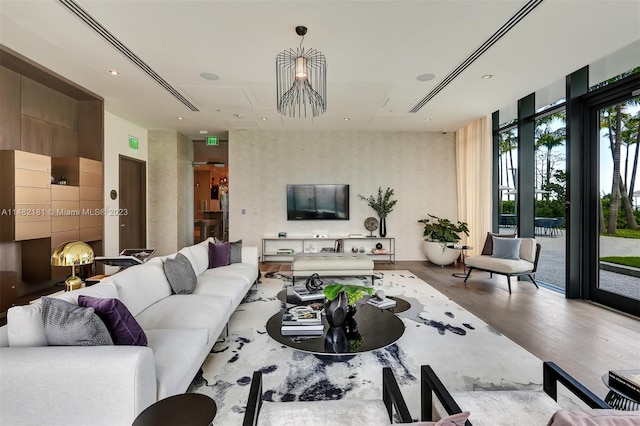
(549, 139)
(508, 143)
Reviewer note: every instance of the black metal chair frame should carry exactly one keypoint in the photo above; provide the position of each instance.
(391, 396)
(531, 274)
(551, 376)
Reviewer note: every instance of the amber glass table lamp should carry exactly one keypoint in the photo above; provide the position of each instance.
(72, 253)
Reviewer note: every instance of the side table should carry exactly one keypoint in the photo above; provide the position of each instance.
(187, 409)
(462, 249)
(618, 399)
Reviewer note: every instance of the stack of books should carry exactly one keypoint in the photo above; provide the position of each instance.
(302, 321)
(305, 295)
(385, 303)
(626, 381)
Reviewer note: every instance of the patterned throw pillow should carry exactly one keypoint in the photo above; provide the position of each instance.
(66, 324)
(122, 326)
(180, 274)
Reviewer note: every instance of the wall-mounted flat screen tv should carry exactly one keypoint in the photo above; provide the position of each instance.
(317, 202)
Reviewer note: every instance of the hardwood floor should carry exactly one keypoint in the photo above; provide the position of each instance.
(585, 339)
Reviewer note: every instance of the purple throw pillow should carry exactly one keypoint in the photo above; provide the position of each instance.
(219, 254)
(122, 326)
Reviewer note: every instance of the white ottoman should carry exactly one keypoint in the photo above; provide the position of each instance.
(331, 264)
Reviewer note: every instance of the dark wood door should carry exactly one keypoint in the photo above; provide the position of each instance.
(133, 205)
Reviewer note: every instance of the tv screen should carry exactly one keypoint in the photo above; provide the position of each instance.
(317, 202)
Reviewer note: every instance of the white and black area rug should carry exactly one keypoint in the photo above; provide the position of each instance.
(464, 351)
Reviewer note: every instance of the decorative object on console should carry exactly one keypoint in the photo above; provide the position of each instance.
(383, 205)
(371, 224)
(379, 246)
(72, 253)
(301, 80)
(438, 234)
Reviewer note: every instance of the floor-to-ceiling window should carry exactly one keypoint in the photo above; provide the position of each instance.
(617, 150)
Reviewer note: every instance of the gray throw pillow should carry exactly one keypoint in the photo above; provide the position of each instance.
(235, 252)
(180, 274)
(487, 249)
(506, 248)
(66, 324)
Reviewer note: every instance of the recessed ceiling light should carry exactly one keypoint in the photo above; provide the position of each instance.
(347, 119)
(427, 119)
(203, 132)
(264, 119)
(180, 118)
(487, 76)
(210, 76)
(113, 72)
(425, 77)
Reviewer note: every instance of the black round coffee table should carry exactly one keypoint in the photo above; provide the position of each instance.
(374, 328)
(187, 409)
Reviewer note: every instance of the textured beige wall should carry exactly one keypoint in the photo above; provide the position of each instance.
(170, 207)
(420, 167)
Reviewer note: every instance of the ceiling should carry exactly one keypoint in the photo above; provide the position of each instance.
(374, 52)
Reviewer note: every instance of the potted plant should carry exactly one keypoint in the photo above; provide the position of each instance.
(440, 237)
(340, 301)
(383, 205)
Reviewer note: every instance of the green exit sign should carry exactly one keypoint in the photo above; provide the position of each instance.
(133, 142)
(212, 141)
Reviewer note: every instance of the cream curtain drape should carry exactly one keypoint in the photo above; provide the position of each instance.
(473, 169)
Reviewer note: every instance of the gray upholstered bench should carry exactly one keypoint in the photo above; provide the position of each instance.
(331, 264)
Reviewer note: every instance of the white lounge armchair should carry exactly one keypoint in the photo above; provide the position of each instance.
(510, 257)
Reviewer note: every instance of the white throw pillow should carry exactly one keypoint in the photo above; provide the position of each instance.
(24, 326)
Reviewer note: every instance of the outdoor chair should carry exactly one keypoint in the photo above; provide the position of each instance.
(521, 407)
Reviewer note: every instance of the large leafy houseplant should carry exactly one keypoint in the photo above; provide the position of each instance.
(382, 204)
(443, 230)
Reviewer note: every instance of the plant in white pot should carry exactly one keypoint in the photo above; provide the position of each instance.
(440, 235)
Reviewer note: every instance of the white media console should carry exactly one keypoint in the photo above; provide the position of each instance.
(277, 249)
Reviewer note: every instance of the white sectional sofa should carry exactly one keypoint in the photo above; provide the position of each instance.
(111, 385)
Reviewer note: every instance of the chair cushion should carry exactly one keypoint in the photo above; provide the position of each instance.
(594, 417)
(341, 412)
(517, 407)
(499, 266)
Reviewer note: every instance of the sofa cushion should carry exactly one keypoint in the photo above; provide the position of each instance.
(177, 354)
(180, 274)
(122, 326)
(246, 271)
(506, 248)
(198, 255)
(104, 289)
(66, 324)
(187, 311)
(141, 286)
(487, 249)
(235, 252)
(231, 287)
(219, 255)
(25, 326)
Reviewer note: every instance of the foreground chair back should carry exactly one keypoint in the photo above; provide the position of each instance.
(347, 412)
(485, 402)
